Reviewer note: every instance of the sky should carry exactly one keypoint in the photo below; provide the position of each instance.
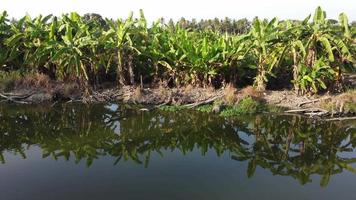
(198, 9)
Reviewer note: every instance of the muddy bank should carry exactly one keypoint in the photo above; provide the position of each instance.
(127, 94)
(327, 105)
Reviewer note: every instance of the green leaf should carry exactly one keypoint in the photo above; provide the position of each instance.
(325, 180)
(344, 22)
(13, 40)
(59, 54)
(319, 15)
(251, 168)
(322, 84)
(308, 78)
(328, 48)
(165, 64)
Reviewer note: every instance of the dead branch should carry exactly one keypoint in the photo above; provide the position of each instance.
(307, 110)
(17, 96)
(321, 113)
(17, 100)
(162, 104)
(340, 118)
(312, 101)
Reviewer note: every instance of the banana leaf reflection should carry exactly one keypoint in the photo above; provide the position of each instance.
(285, 145)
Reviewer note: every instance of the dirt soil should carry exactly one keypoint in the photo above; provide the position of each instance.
(289, 99)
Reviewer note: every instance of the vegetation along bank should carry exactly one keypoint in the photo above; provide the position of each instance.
(307, 66)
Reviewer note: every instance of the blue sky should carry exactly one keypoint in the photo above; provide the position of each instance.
(283, 9)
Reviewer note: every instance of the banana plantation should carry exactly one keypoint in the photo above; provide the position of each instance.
(308, 56)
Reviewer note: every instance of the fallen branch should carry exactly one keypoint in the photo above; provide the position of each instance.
(13, 100)
(18, 96)
(340, 118)
(309, 110)
(192, 105)
(312, 101)
(162, 104)
(312, 114)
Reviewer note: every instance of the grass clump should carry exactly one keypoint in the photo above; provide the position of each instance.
(246, 106)
(274, 109)
(350, 107)
(173, 108)
(205, 108)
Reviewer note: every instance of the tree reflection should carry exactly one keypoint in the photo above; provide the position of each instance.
(286, 145)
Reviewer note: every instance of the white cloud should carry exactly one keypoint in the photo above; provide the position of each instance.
(296, 9)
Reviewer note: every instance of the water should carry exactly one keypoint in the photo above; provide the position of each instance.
(117, 152)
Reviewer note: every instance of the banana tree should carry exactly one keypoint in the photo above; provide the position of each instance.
(36, 41)
(29, 43)
(344, 47)
(323, 44)
(69, 56)
(293, 41)
(266, 49)
(155, 49)
(4, 33)
(14, 43)
(118, 38)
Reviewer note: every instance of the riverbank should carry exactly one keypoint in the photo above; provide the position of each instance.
(227, 100)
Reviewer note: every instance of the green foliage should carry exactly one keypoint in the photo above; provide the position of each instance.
(246, 106)
(321, 52)
(209, 52)
(265, 47)
(205, 108)
(314, 78)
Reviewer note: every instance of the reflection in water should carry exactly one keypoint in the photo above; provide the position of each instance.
(286, 145)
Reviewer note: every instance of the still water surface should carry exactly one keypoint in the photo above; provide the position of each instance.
(118, 152)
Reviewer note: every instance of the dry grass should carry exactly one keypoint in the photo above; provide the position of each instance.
(137, 94)
(345, 102)
(163, 89)
(8, 80)
(188, 89)
(230, 95)
(35, 81)
(250, 91)
(71, 89)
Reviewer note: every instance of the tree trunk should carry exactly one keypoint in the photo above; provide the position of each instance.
(131, 72)
(310, 59)
(295, 74)
(260, 82)
(120, 73)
